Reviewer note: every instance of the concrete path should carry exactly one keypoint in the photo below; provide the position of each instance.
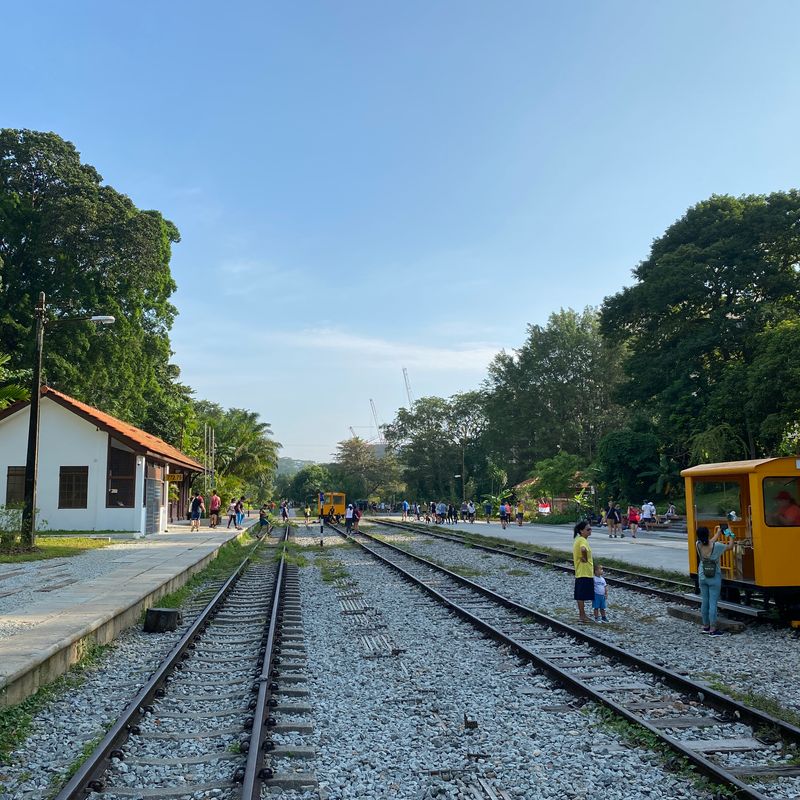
(51, 629)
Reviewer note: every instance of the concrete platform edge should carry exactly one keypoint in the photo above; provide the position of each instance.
(57, 660)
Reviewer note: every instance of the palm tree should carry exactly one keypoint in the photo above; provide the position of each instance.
(9, 392)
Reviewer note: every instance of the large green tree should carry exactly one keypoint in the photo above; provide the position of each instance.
(359, 472)
(554, 393)
(244, 444)
(693, 322)
(439, 439)
(86, 245)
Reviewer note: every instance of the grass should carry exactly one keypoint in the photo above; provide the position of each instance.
(331, 570)
(761, 702)
(294, 554)
(642, 738)
(51, 547)
(16, 721)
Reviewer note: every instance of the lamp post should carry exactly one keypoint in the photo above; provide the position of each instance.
(463, 494)
(28, 531)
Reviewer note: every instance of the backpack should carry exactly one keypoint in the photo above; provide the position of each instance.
(708, 565)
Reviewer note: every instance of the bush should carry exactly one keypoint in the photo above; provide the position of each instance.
(555, 519)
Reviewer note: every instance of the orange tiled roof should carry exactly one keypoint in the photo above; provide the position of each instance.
(128, 433)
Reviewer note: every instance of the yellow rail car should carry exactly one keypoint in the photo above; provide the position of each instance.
(760, 502)
(328, 501)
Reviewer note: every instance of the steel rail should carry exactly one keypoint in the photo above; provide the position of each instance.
(254, 772)
(543, 560)
(710, 697)
(88, 777)
(536, 557)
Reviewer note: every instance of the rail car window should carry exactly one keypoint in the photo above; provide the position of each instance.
(716, 499)
(781, 506)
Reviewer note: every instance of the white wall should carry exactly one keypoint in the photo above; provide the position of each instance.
(67, 440)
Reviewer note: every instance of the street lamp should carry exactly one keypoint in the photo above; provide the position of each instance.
(32, 462)
(463, 493)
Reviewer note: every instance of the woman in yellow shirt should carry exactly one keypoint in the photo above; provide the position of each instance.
(584, 567)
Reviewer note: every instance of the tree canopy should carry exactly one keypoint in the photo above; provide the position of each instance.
(696, 318)
(64, 232)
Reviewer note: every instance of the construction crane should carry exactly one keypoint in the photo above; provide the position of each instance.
(408, 389)
(375, 417)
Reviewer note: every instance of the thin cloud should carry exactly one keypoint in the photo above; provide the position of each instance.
(468, 356)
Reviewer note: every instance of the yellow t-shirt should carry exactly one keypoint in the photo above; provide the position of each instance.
(583, 569)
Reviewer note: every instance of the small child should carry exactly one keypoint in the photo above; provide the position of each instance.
(600, 594)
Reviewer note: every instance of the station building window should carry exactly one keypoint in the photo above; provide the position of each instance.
(15, 487)
(73, 485)
(121, 478)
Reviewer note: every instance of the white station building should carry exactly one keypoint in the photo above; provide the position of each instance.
(96, 473)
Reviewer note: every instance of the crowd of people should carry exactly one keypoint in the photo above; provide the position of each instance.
(442, 513)
(237, 508)
(636, 518)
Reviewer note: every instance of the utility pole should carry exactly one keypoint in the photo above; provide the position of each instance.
(32, 461)
(28, 529)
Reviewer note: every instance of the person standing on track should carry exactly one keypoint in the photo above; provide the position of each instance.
(405, 511)
(584, 568)
(348, 518)
(709, 576)
(307, 513)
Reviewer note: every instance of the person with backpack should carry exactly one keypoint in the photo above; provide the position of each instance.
(196, 511)
(709, 576)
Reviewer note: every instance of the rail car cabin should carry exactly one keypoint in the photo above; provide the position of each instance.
(759, 501)
(331, 500)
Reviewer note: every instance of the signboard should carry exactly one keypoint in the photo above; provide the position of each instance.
(175, 477)
(544, 507)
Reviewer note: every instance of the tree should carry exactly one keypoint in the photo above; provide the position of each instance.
(360, 473)
(557, 476)
(692, 323)
(438, 439)
(625, 459)
(92, 251)
(10, 392)
(555, 392)
(245, 449)
(308, 482)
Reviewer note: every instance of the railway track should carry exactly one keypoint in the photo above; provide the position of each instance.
(199, 726)
(748, 751)
(672, 591)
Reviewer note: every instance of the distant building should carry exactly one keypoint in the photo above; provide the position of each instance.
(96, 472)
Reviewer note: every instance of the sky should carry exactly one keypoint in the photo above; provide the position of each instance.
(366, 186)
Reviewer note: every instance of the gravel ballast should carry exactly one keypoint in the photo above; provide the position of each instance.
(762, 659)
(401, 726)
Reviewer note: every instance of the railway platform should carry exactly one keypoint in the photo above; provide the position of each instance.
(50, 609)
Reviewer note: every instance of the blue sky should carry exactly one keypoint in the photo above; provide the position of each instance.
(363, 186)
